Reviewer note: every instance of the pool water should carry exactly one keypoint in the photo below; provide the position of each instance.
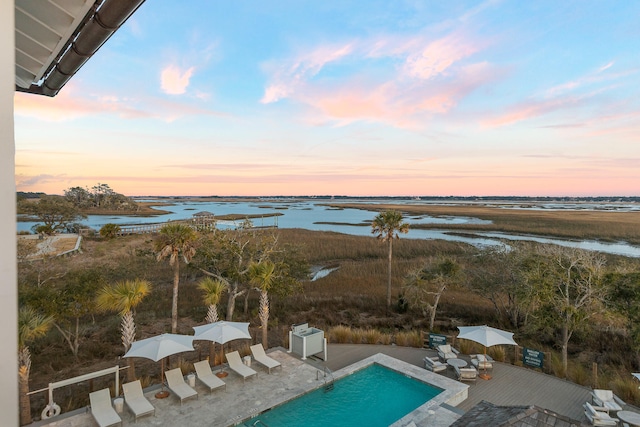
(374, 396)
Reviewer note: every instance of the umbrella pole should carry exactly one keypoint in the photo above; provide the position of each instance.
(221, 373)
(484, 375)
(162, 393)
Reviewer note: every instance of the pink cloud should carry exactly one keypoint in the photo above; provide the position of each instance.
(290, 74)
(174, 81)
(415, 76)
(438, 56)
(71, 104)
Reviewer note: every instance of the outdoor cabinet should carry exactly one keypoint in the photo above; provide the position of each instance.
(305, 341)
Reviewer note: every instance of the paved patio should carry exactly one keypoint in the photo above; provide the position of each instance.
(242, 400)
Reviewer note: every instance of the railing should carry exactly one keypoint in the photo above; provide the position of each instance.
(259, 423)
(328, 378)
(53, 410)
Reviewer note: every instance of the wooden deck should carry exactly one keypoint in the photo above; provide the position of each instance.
(510, 385)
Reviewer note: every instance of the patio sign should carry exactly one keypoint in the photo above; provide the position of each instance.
(436, 340)
(532, 358)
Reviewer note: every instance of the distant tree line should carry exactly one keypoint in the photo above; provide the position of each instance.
(60, 213)
(100, 196)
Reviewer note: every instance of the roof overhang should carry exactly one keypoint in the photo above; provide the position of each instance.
(55, 38)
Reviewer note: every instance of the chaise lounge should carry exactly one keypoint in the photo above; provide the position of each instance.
(261, 357)
(206, 376)
(102, 410)
(236, 365)
(135, 400)
(175, 382)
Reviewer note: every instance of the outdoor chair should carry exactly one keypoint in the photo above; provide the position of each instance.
(260, 356)
(203, 370)
(176, 383)
(466, 374)
(434, 365)
(482, 361)
(607, 399)
(236, 365)
(135, 400)
(599, 416)
(102, 410)
(445, 351)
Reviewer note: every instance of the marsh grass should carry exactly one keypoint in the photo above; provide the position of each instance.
(372, 336)
(409, 339)
(340, 334)
(609, 226)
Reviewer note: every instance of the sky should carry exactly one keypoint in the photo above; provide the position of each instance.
(340, 97)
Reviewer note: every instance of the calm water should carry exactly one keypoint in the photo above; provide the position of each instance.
(312, 215)
(374, 396)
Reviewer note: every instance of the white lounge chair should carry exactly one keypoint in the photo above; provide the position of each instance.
(607, 399)
(176, 383)
(102, 410)
(434, 365)
(236, 365)
(206, 376)
(482, 362)
(135, 400)
(599, 416)
(261, 357)
(466, 374)
(445, 351)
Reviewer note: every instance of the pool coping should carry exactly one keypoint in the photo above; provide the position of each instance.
(435, 412)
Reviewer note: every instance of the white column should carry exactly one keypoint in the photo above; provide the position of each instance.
(8, 227)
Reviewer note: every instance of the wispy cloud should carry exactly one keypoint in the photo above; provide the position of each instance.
(73, 103)
(289, 75)
(417, 75)
(175, 81)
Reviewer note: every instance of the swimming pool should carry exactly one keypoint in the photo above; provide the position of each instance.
(373, 396)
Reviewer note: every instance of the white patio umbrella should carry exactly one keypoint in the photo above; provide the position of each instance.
(487, 336)
(158, 347)
(222, 332)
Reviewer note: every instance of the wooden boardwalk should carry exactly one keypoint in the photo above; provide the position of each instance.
(510, 385)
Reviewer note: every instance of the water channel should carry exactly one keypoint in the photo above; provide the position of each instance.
(316, 215)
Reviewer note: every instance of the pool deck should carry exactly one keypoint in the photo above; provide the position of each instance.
(243, 400)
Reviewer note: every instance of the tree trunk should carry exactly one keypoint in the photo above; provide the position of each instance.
(131, 370)
(389, 273)
(435, 307)
(264, 317)
(174, 304)
(231, 302)
(23, 378)
(565, 344)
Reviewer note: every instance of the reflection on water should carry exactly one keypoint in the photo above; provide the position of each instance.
(315, 216)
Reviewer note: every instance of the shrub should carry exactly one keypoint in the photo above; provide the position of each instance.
(372, 336)
(340, 334)
(109, 231)
(357, 336)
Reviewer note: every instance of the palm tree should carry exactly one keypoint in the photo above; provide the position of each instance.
(176, 240)
(123, 297)
(262, 275)
(212, 289)
(386, 226)
(31, 325)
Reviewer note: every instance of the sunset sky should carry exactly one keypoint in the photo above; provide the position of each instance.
(341, 97)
